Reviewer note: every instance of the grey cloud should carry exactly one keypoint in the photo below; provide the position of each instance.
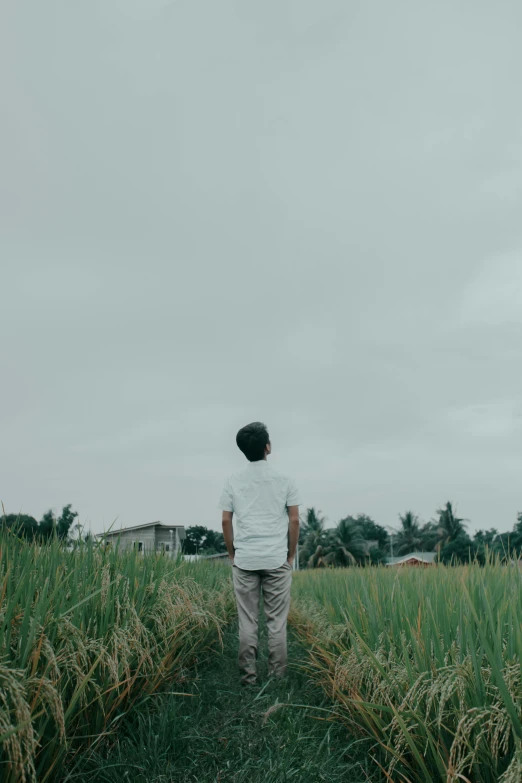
(301, 212)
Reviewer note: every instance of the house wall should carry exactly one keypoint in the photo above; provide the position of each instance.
(127, 539)
(152, 538)
(416, 563)
(164, 537)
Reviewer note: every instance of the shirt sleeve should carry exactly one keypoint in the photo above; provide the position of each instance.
(293, 498)
(226, 500)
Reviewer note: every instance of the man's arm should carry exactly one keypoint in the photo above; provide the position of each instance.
(228, 532)
(293, 532)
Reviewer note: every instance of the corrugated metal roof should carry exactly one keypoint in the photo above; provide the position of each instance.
(181, 529)
(423, 557)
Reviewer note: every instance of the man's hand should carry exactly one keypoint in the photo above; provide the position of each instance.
(293, 532)
(290, 562)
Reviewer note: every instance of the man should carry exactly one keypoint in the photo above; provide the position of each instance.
(262, 549)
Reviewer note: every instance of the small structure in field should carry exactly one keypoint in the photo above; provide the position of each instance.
(151, 537)
(220, 557)
(414, 559)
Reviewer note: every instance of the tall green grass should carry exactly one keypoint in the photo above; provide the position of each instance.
(86, 633)
(425, 661)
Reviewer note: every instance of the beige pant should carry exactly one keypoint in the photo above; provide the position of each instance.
(276, 585)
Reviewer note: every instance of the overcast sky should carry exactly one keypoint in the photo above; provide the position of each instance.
(304, 212)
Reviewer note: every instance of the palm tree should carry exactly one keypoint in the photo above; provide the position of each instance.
(449, 526)
(409, 537)
(318, 557)
(345, 544)
(429, 536)
(313, 523)
(311, 537)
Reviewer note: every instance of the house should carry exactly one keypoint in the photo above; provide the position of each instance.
(414, 559)
(151, 537)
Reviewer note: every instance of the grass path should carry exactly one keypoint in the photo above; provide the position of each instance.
(223, 733)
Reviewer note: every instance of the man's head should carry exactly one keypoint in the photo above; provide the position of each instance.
(254, 441)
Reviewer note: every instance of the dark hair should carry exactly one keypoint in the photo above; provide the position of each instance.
(253, 440)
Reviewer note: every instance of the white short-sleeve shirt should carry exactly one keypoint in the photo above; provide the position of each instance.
(259, 498)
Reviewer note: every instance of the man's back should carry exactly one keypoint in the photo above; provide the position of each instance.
(259, 497)
(262, 545)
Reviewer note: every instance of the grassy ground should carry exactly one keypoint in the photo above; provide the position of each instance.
(224, 733)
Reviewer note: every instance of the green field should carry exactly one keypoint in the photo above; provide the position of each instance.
(85, 635)
(114, 665)
(427, 662)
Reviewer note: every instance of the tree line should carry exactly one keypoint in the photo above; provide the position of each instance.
(50, 525)
(200, 540)
(354, 540)
(358, 540)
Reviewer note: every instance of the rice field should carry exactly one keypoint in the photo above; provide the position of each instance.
(426, 662)
(85, 635)
(422, 665)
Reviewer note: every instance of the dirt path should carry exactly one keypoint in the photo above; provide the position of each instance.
(223, 734)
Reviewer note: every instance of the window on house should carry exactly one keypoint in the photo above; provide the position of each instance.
(167, 547)
(140, 546)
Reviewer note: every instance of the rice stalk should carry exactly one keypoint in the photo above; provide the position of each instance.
(84, 635)
(427, 662)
